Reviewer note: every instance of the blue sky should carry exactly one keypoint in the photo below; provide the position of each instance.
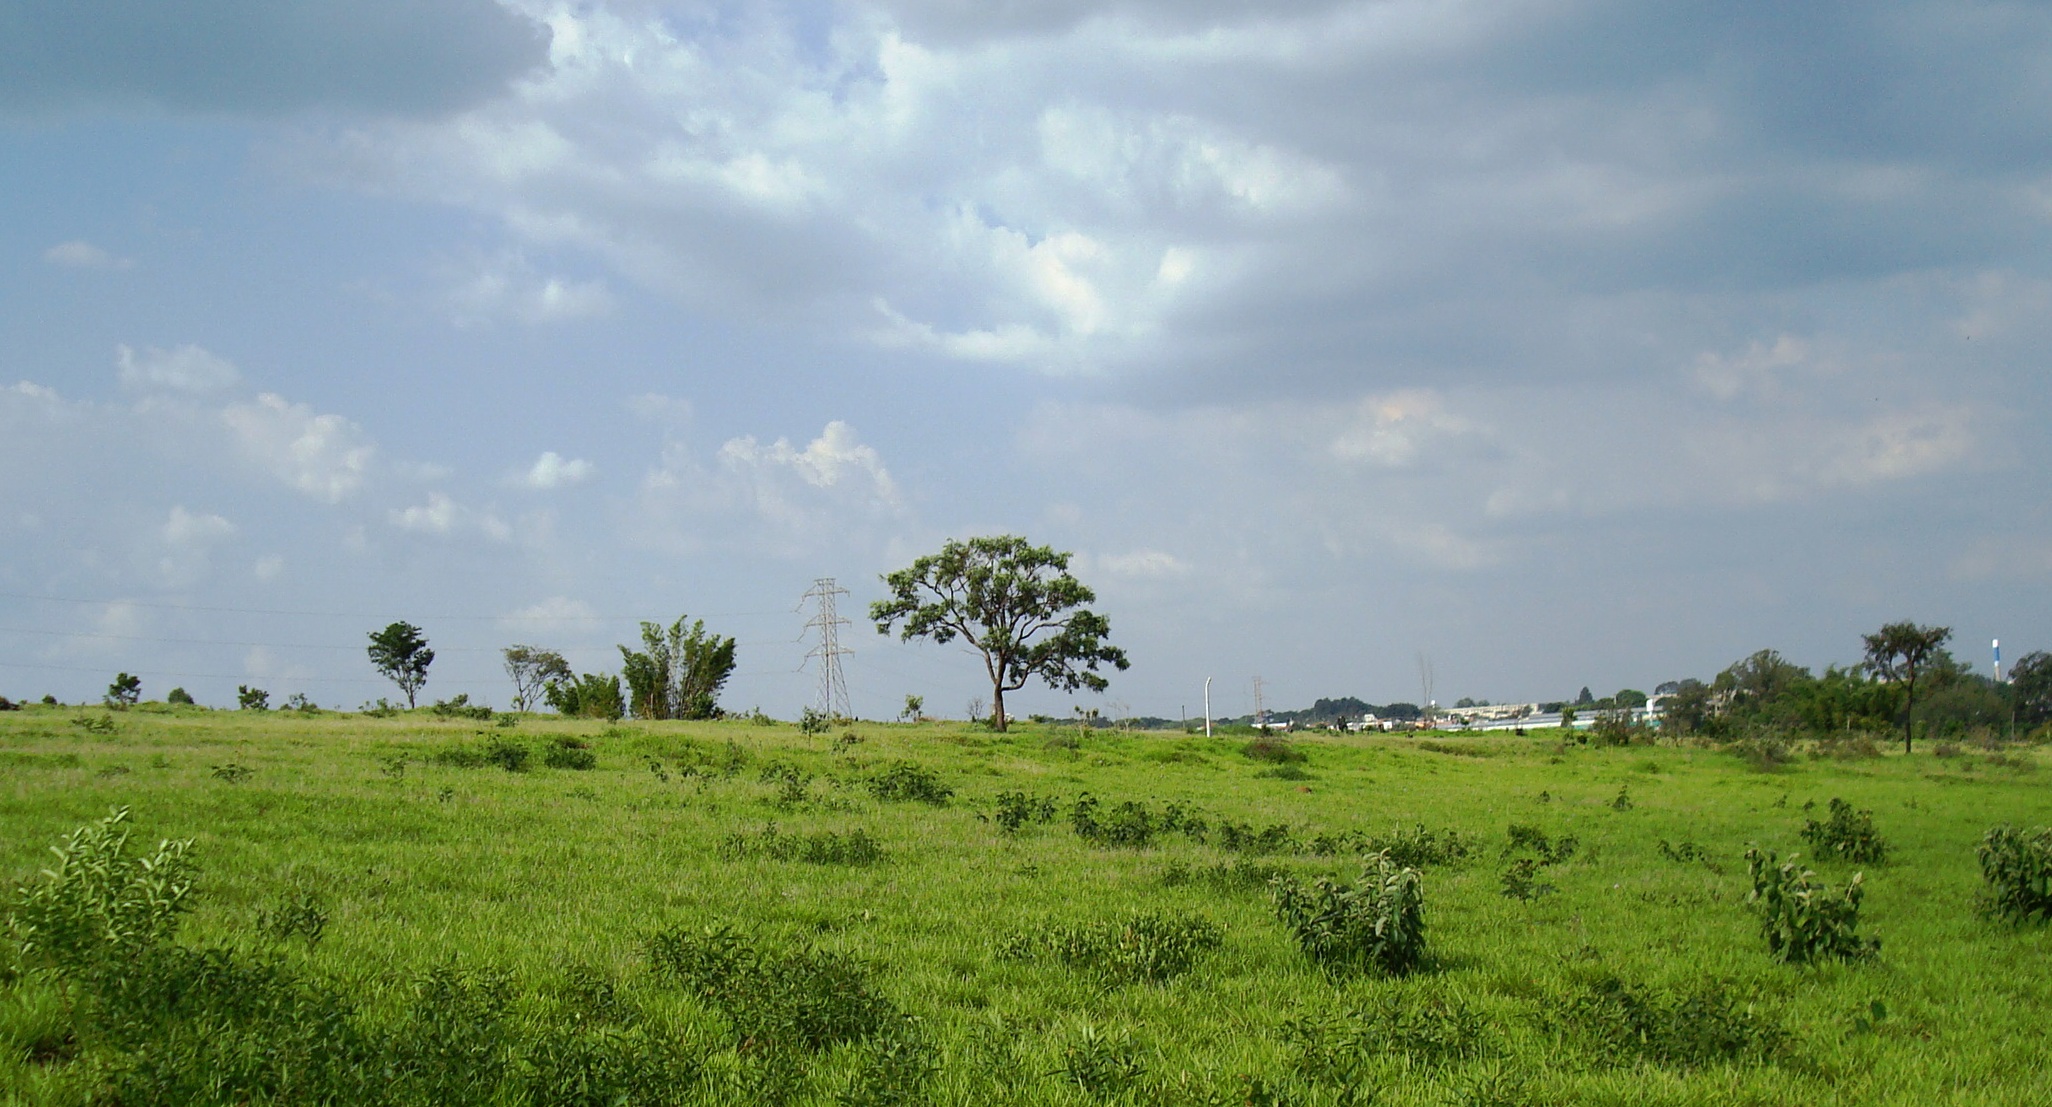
(1559, 343)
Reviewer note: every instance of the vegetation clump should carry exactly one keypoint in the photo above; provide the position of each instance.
(1016, 809)
(803, 999)
(1375, 924)
(1274, 750)
(906, 782)
(1429, 1027)
(1802, 919)
(1846, 834)
(1708, 1023)
(1142, 947)
(2016, 871)
(825, 847)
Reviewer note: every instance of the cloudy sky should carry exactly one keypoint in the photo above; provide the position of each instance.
(1559, 343)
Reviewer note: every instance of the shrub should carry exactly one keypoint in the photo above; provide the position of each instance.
(252, 699)
(1244, 838)
(1847, 835)
(1421, 846)
(1238, 875)
(302, 913)
(1131, 823)
(1016, 809)
(1705, 1024)
(1275, 751)
(1377, 923)
(179, 696)
(1801, 918)
(2016, 866)
(1545, 850)
(1425, 1027)
(1149, 946)
(93, 724)
(569, 752)
(804, 1000)
(820, 848)
(461, 708)
(1103, 1065)
(231, 772)
(814, 721)
(102, 904)
(904, 781)
(1521, 881)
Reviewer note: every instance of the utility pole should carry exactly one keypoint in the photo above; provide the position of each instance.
(1207, 707)
(833, 687)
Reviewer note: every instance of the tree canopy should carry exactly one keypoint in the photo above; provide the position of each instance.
(1896, 652)
(532, 670)
(401, 654)
(1011, 601)
(678, 672)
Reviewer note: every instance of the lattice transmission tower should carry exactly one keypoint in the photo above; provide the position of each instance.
(833, 686)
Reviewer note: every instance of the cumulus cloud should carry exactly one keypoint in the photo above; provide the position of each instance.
(773, 493)
(256, 57)
(552, 470)
(78, 254)
(185, 368)
(326, 457)
(510, 289)
(188, 540)
(441, 515)
(556, 615)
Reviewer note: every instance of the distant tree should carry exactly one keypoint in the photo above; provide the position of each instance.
(914, 706)
(125, 690)
(402, 655)
(591, 696)
(1667, 688)
(1465, 701)
(1629, 697)
(252, 699)
(678, 673)
(179, 696)
(531, 669)
(1896, 653)
(1689, 709)
(1011, 601)
(2030, 688)
(1584, 699)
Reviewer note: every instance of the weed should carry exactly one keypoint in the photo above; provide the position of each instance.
(1376, 923)
(813, 721)
(1244, 838)
(907, 782)
(1623, 802)
(569, 753)
(822, 848)
(393, 766)
(462, 708)
(895, 1067)
(1286, 772)
(111, 771)
(1431, 1027)
(1239, 875)
(230, 772)
(1705, 1024)
(1802, 919)
(302, 913)
(1766, 752)
(656, 768)
(1102, 1065)
(445, 795)
(1145, 946)
(1546, 850)
(1016, 809)
(1847, 835)
(793, 784)
(1421, 846)
(2016, 867)
(93, 724)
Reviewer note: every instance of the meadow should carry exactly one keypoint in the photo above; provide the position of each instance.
(542, 910)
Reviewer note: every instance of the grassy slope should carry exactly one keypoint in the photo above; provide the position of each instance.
(541, 870)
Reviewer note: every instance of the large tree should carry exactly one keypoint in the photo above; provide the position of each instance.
(1896, 653)
(532, 669)
(1011, 601)
(401, 653)
(2030, 688)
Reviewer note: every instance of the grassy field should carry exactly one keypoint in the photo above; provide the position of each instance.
(1635, 973)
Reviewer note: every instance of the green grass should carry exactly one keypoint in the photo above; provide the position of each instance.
(555, 874)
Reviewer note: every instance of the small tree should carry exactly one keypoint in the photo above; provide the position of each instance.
(532, 669)
(125, 690)
(915, 706)
(2030, 688)
(1014, 603)
(678, 673)
(401, 654)
(179, 696)
(252, 699)
(1896, 652)
(591, 696)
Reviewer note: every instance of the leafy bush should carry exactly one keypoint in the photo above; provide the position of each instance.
(1421, 846)
(904, 781)
(1545, 850)
(1431, 1027)
(1521, 881)
(1016, 809)
(302, 913)
(820, 848)
(461, 708)
(125, 691)
(1239, 875)
(1102, 1065)
(1149, 946)
(1705, 1024)
(2016, 866)
(570, 752)
(1801, 918)
(773, 999)
(93, 724)
(177, 696)
(101, 904)
(1132, 824)
(1244, 838)
(252, 699)
(1847, 835)
(230, 772)
(814, 721)
(1376, 923)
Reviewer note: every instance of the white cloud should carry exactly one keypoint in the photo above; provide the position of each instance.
(557, 616)
(836, 462)
(185, 368)
(1142, 564)
(269, 568)
(188, 539)
(551, 470)
(1390, 430)
(324, 456)
(441, 515)
(509, 288)
(84, 255)
(34, 391)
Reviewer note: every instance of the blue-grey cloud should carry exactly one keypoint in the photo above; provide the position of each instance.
(408, 57)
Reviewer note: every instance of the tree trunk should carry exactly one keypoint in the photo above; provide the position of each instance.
(997, 710)
(1909, 714)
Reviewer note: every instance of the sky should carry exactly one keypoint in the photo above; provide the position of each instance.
(1531, 345)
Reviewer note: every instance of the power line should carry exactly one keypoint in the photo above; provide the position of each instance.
(517, 617)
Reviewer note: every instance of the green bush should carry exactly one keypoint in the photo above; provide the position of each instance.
(569, 753)
(102, 904)
(856, 847)
(1545, 850)
(1705, 1024)
(179, 696)
(2016, 867)
(1144, 946)
(1847, 835)
(1432, 1027)
(793, 1000)
(905, 781)
(1016, 809)
(1275, 751)
(1802, 919)
(462, 708)
(1377, 923)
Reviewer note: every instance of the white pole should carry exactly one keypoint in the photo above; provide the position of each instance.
(1998, 660)
(1207, 707)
